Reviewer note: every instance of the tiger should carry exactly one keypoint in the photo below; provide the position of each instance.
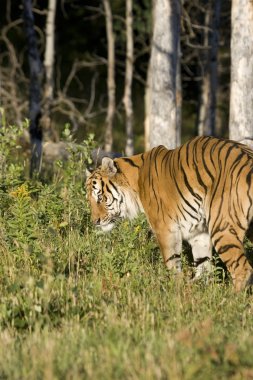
(200, 192)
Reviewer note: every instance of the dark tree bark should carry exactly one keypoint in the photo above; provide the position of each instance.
(35, 67)
(111, 86)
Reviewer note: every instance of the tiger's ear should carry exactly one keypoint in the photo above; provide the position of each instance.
(108, 166)
(87, 173)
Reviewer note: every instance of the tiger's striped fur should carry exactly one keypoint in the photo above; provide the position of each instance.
(201, 192)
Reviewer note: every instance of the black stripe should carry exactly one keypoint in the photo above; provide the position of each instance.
(185, 200)
(181, 212)
(248, 181)
(217, 185)
(130, 162)
(192, 216)
(195, 164)
(187, 153)
(216, 241)
(201, 260)
(165, 157)
(189, 187)
(219, 228)
(173, 257)
(112, 184)
(149, 171)
(155, 158)
(205, 145)
(227, 247)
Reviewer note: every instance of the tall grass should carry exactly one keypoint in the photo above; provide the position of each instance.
(77, 304)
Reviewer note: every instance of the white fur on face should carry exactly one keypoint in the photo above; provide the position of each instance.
(132, 204)
(119, 203)
(107, 227)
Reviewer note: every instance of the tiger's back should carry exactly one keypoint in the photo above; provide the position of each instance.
(205, 176)
(201, 192)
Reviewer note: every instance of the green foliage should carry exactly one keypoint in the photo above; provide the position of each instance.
(76, 303)
(11, 167)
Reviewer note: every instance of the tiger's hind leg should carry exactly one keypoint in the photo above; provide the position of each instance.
(202, 253)
(231, 251)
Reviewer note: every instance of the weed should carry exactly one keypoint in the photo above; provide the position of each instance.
(79, 304)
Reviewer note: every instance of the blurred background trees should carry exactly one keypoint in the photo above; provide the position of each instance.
(241, 92)
(35, 81)
(164, 62)
(116, 67)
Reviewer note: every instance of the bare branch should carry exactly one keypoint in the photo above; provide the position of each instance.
(93, 94)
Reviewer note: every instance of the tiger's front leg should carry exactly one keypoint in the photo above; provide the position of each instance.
(170, 243)
(202, 253)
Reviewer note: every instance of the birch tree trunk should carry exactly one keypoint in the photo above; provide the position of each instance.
(164, 56)
(127, 100)
(49, 134)
(110, 76)
(35, 67)
(241, 91)
(207, 106)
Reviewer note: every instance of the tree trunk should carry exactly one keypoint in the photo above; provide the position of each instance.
(178, 97)
(147, 96)
(164, 56)
(110, 77)
(241, 92)
(207, 106)
(147, 101)
(129, 79)
(35, 90)
(49, 133)
(214, 41)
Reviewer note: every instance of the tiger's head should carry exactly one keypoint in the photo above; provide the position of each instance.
(110, 196)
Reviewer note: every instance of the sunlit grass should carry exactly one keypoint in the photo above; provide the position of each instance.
(78, 304)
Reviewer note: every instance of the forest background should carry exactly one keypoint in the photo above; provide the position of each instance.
(77, 304)
(80, 93)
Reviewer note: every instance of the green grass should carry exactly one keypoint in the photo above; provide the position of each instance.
(78, 304)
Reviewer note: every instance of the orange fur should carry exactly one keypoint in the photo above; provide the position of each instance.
(201, 192)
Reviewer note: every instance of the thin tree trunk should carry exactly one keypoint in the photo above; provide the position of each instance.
(214, 63)
(110, 77)
(129, 79)
(49, 133)
(178, 97)
(164, 56)
(148, 84)
(241, 93)
(207, 106)
(204, 127)
(35, 90)
(147, 101)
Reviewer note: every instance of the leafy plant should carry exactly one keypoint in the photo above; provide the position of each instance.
(76, 303)
(11, 164)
